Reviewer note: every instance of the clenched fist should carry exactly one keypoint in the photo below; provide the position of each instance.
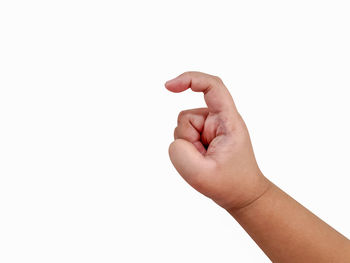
(212, 149)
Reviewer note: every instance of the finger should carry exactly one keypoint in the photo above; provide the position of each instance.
(189, 134)
(194, 138)
(190, 126)
(186, 159)
(200, 147)
(216, 95)
(194, 116)
(186, 132)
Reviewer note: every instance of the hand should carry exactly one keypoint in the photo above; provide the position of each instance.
(212, 149)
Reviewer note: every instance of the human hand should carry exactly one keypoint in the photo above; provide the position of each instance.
(212, 150)
(213, 153)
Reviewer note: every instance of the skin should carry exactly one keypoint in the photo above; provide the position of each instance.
(212, 151)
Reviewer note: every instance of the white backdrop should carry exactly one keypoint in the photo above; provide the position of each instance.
(85, 122)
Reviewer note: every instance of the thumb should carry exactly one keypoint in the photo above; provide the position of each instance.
(187, 160)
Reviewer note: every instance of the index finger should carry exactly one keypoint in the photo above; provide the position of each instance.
(216, 95)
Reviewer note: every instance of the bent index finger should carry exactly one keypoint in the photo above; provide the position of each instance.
(216, 95)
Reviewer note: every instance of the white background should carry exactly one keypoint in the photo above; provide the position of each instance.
(85, 122)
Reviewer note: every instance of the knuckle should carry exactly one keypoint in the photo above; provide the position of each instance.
(175, 133)
(186, 74)
(189, 72)
(218, 80)
(181, 116)
(171, 148)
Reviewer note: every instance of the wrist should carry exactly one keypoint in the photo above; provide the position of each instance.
(262, 188)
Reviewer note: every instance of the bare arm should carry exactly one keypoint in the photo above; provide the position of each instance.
(288, 232)
(213, 153)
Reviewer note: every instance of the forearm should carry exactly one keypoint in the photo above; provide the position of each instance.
(288, 232)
